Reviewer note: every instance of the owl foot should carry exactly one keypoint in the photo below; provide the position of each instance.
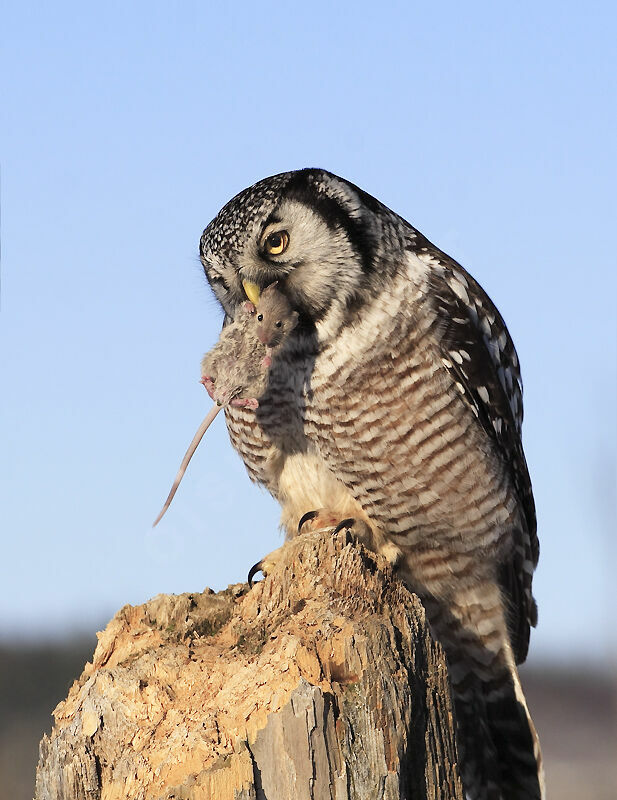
(321, 521)
(264, 566)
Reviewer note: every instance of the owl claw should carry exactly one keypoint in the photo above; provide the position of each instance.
(265, 566)
(252, 572)
(305, 518)
(344, 523)
(318, 521)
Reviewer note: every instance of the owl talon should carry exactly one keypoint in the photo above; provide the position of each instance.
(265, 566)
(252, 572)
(345, 523)
(305, 518)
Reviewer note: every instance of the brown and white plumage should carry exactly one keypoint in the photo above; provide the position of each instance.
(398, 402)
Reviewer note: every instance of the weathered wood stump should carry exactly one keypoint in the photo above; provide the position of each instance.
(321, 682)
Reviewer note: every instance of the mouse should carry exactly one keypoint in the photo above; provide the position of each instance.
(235, 371)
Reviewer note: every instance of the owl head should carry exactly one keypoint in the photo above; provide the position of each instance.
(320, 237)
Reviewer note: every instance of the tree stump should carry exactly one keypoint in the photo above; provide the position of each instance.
(321, 683)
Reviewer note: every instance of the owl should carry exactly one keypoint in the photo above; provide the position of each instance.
(395, 408)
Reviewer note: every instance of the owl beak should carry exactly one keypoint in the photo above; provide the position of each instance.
(252, 291)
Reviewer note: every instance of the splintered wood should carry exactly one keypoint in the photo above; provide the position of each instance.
(322, 683)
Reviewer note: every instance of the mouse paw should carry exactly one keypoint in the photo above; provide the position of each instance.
(208, 382)
(245, 402)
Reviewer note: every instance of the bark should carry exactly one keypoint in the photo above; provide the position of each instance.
(321, 683)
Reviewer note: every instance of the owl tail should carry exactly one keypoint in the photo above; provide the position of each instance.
(497, 742)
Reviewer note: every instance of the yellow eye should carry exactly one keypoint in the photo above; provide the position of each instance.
(276, 243)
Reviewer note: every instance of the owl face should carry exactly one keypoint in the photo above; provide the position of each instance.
(309, 230)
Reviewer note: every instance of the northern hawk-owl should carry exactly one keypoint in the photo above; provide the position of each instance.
(397, 402)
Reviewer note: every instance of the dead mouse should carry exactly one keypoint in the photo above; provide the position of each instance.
(235, 371)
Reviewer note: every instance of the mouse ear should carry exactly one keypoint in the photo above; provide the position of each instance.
(270, 287)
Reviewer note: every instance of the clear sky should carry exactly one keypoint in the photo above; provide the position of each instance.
(489, 126)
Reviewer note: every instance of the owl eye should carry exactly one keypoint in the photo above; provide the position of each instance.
(260, 317)
(276, 243)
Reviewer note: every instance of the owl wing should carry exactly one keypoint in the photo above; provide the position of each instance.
(479, 354)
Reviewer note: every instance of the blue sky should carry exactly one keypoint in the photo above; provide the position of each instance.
(124, 129)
